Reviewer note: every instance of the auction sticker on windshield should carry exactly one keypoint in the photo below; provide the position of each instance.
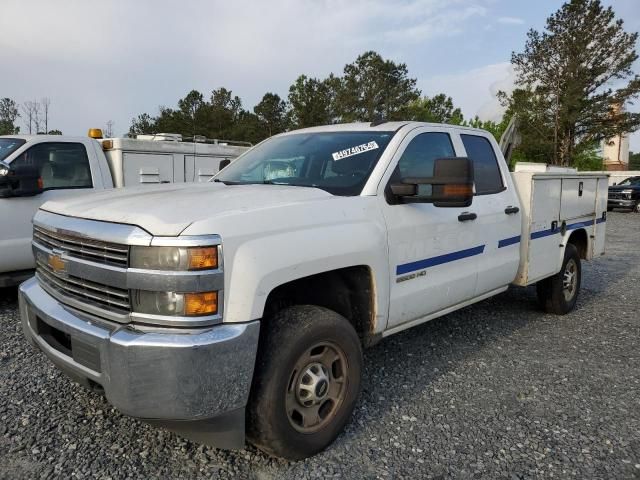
(351, 151)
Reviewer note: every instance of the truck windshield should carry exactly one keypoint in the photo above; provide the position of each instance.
(631, 181)
(337, 162)
(9, 145)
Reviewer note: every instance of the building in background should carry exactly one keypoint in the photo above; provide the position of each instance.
(615, 153)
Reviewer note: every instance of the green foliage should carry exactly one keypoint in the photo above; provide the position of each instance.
(54, 132)
(437, 109)
(495, 128)
(8, 116)
(311, 101)
(370, 87)
(373, 87)
(219, 117)
(565, 101)
(588, 159)
(272, 113)
(634, 161)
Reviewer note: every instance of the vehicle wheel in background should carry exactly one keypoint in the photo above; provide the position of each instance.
(306, 382)
(636, 209)
(559, 294)
(609, 209)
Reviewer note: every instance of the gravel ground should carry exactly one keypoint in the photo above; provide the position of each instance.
(497, 390)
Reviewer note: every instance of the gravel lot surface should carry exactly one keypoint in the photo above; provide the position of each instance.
(497, 390)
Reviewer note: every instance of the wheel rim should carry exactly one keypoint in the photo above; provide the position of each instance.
(570, 280)
(317, 387)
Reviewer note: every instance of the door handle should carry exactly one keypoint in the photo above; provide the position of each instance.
(466, 216)
(511, 210)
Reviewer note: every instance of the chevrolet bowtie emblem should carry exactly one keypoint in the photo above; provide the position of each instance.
(57, 264)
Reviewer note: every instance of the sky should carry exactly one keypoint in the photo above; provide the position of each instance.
(114, 59)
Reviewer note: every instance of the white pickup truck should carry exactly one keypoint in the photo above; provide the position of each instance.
(38, 168)
(251, 297)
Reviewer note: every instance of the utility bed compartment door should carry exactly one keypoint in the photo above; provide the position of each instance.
(143, 168)
(578, 197)
(201, 168)
(543, 241)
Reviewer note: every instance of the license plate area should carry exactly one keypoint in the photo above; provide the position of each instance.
(82, 352)
(56, 339)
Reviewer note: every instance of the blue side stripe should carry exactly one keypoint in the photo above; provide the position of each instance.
(509, 241)
(571, 226)
(544, 233)
(439, 260)
(470, 252)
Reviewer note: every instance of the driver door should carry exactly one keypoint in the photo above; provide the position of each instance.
(432, 254)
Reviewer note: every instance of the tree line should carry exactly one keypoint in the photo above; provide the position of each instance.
(371, 87)
(35, 114)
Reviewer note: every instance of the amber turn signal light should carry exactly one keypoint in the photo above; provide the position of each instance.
(203, 303)
(457, 190)
(203, 258)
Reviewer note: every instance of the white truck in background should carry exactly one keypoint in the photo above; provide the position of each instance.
(37, 168)
(251, 297)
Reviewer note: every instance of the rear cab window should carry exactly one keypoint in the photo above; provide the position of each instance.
(488, 178)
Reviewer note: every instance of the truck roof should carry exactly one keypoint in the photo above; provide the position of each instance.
(50, 138)
(380, 127)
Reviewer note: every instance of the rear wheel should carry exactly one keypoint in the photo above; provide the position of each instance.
(306, 382)
(559, 294)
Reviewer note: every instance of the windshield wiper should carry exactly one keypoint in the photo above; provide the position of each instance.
(266, 182)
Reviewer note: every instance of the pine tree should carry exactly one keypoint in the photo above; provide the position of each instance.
(574, 80)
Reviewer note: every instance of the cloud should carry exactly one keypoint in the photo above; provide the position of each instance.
(124, 58)
(510, 20)
(475, 90)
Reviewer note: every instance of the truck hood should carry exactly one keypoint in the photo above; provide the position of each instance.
(619, 188)
(167, 210)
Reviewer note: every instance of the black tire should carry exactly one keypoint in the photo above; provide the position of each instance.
(636, 209)
(559, 294)
(294, 338)
(609, 209)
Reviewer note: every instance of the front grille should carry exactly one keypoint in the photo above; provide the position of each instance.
(108, 298)
(619, 196)
(87, 249)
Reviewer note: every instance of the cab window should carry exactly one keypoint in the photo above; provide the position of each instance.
(486, 172)
(61, 165)
(418, 158)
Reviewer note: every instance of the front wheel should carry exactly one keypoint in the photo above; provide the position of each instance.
(559, 294)
(306, 382)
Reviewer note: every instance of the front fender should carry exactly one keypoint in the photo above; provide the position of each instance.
(259, 265)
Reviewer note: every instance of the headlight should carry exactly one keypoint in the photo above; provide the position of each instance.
(174, 258)
(174, 303)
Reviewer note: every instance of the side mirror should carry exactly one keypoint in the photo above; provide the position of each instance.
(450, 186)
(224, 163)
(20, 181)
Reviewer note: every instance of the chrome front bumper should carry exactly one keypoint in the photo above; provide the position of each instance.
(621, 203)
(168, 378)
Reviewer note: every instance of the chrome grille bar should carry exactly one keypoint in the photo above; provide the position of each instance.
(93, 250)
(109, 298)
